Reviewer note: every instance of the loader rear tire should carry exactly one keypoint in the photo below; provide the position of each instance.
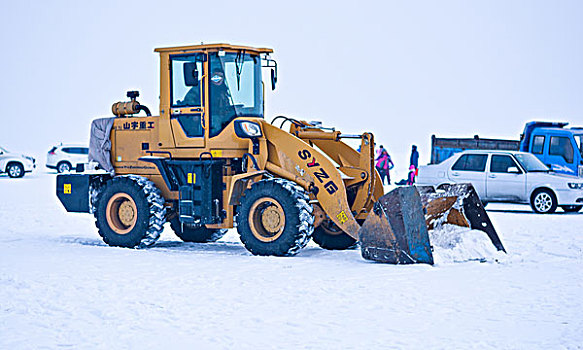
(130, 212)
(331, 237)
(195, 234)
(275, 218)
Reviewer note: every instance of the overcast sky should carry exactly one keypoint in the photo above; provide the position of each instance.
(402, 69)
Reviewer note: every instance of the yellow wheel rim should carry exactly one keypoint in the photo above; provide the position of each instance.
(266, 219)
(121, 213)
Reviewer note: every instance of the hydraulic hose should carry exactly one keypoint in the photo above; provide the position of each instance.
(145, 109)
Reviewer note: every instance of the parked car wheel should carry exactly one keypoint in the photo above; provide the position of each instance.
(63, 167)
(571, 208)
(543, 201)
(15, 170)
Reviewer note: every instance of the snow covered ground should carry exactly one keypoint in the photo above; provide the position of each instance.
(62, 287)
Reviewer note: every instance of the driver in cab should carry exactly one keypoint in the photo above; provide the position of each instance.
(220, 97)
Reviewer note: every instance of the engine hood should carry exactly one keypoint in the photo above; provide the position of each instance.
(554, 177)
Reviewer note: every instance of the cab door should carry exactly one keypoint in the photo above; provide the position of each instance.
(561, 154)
(505, 180)
(187, 96)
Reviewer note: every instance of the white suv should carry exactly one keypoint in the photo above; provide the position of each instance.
(15, 165)
(66, 157)
(506, 176)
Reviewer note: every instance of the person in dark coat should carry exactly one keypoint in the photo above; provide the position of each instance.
(414, 157)
(413, 165)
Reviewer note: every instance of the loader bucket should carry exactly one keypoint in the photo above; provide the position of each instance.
(395, 231)
(459, 205)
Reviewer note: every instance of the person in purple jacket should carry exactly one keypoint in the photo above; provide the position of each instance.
(384, 164)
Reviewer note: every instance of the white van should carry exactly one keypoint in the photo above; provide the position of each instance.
(65, 158)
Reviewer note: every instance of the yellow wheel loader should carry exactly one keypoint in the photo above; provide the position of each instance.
(210, 162)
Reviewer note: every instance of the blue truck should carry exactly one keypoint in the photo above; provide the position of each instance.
(559, 147)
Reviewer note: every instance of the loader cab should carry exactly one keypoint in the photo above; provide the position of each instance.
(205, 87)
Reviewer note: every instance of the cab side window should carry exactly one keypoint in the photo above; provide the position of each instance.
(501, 164)
(186, 76)
(561, 146)
(186, 73)
(471, 162)
(537, 144)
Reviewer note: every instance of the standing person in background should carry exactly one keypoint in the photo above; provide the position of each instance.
(414, 164)
(384, 164)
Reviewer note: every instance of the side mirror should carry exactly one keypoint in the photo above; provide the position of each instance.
(514, 170)
(273, 78)
(190, 74)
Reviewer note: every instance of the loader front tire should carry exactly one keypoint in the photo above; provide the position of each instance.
(130, 212)
(196, 234)
(275, 218)
(331, 237)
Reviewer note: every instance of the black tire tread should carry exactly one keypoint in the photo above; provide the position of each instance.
(296, 236)
(157, 210)
(340, 241)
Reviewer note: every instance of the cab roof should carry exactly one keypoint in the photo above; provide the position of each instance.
(574, 130)
(214, 47)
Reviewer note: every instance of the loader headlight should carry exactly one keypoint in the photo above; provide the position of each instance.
(247, 130)
(575, 186)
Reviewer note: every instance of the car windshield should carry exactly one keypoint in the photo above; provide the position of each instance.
(530, 163)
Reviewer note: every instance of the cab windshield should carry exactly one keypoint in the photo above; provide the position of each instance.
(235, 88)
(579, 140)
(531, 163)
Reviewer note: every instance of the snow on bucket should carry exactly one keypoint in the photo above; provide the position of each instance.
(454, 244)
